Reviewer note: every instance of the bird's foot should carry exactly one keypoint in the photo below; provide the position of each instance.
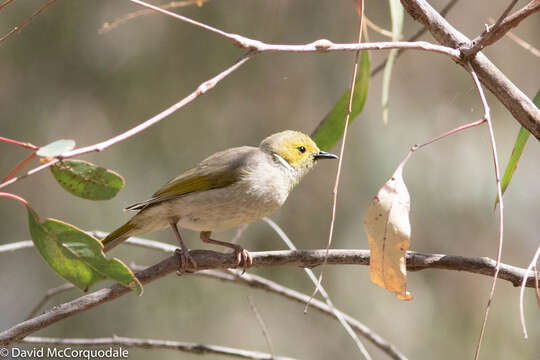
(242, 257)
(186, 260)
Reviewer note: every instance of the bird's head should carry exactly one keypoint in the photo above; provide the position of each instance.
(295, 151)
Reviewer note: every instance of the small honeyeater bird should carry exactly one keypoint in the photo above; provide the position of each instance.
(229, 188)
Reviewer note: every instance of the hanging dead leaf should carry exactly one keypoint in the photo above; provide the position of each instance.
(389, 234)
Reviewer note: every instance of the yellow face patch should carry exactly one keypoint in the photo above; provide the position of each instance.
(297, 149)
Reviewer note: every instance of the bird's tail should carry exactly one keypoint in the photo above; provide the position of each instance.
(118, 235)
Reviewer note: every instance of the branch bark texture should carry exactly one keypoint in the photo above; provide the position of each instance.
(207, 259)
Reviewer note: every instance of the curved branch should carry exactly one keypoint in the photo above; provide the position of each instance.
(126, 342)
(207, 259)
(521, 107)
(500, 28)
(258, 282)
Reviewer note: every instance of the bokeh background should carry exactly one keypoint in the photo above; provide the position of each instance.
(61, 79)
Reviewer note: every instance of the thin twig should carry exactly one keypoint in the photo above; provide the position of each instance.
(321, 45)
(318, 286)
(354, 337)
(487, 36)
(522, 292)
(264, 330)
(201, 89)
(317, 46)
(19, 143)
(377, 28)
(524, 44)
(5, 3)
(448, 133)
(19, 27)
(415, 37)
(536, 286)
(239, 232)
(194, 348)
(48, 295)
(487, 116)
(121, 20)
(19, 166)
(258, 282)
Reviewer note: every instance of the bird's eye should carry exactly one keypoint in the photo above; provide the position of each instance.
(301, 149)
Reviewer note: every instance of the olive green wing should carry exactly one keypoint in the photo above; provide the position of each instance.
(217, 171)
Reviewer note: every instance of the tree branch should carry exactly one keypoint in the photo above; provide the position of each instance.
(194, 348)
(521, 107)
(303, 258)
(500, 28)
(258, 282)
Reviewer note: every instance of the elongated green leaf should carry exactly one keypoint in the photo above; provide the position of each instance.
(87, 180)
(77, 256)
(331, 128)
(397, 13)
(56, 148)
(519, 145)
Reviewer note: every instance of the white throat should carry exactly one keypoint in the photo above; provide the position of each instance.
(284, 163)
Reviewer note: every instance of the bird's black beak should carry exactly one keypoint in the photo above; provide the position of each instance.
(325, 155)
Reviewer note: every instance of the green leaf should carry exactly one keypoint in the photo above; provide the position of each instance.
(87, 180)
(519, 145)
(330, 130)
(56, 148)
(77, 256)
(397, 13)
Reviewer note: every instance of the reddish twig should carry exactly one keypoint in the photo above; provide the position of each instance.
(19, 27)
(19, 143)
(5, 3)
(14, 197)
(19, 166)
(201, 89)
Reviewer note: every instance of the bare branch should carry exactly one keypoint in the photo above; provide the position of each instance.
(19, 27)
(500, 28)
(264, 329)
(194, 348)
(201, 89)
(303, 258)
(524, 44)
(121, 20)
(319, 288)
(258, 282)
(519, 104)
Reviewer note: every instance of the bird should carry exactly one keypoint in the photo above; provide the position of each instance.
(230, 188)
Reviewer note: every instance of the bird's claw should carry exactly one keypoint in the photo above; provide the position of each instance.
(186, 260)
(243, 257)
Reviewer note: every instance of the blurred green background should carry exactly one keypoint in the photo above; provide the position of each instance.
(61, 79)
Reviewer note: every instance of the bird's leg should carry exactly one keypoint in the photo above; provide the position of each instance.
(242, 255)
(183, 253)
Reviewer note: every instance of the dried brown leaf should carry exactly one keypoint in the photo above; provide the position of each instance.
(387, 225)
